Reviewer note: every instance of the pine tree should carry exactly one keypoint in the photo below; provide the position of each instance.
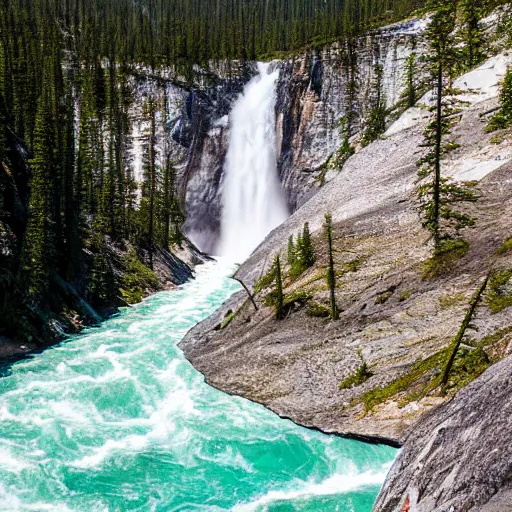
(279, 300)
(411, 80)
(291, 256)
(376, 122)
(38, 241)
(307, 250)
(331, 274)
(472, 32)
(437, 195)
(149, 189)
(503, 118)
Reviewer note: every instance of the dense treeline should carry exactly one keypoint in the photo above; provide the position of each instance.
(69, 200)
(193, 31)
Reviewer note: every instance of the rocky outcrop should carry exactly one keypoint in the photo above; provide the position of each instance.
(459, 457)
(318, 89)
(391, 317)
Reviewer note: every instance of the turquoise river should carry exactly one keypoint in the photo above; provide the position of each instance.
(116, 419)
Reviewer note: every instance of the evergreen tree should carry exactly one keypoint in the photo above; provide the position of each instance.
(301, 256)
(331, 274)
(411, 81)
(376, 122)
(472, 32)
(351, 66)
(307, 250)
(279, 300)
(291, 256)
(149, 189)
(38, 241)
(438, 196)
(503, 118)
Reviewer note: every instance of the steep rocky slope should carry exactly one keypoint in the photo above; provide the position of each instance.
(398, 322)
(459, 457)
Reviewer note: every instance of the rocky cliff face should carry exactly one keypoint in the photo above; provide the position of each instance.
(313, 96)
(458, 458)
(317, 90)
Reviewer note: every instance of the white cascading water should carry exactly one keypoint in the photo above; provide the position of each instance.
(253, 199)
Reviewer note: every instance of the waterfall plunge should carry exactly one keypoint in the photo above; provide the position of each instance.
(253, 200)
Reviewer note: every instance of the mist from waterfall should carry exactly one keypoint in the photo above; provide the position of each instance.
(253, 199)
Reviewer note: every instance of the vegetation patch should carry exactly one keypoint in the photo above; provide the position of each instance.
(506, 247)
(386, 295)
(468, 365)
(445, 258)
(499, 138)
(405, 295)
(492, 339)
(421, 371)
(265, 281)
(318, 310)
(425, 376)
(227, 320)
(361, 375)
(136, 279)
(301, 255)
(298, 297)
(448, 301)
(354, 265)
(499, 295)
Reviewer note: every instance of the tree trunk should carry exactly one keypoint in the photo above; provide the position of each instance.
(460, 335)
(439, 136)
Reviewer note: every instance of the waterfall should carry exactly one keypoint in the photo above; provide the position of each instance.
(253, 200)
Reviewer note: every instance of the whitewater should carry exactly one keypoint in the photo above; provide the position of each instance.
(116, 419)
(253, 200)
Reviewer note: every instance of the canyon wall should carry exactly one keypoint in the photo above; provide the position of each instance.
(313, 97)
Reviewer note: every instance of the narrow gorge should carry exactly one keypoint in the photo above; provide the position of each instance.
(255, 256)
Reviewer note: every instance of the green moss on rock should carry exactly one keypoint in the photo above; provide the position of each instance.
(361, 375)
(136, 279)
(499, 295)
(445, 258)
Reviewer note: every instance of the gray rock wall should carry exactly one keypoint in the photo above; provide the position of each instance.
(459, 457)
(312, 99)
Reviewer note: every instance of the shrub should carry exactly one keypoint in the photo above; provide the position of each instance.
(317, 310)
(361, 375)
(506, 247)
(136, 279)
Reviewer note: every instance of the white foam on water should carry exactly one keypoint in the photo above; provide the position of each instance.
(128, 444)
(334, 485)
(12, 463)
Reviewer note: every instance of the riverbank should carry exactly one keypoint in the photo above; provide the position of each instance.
(117, 419)
(170, 270)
